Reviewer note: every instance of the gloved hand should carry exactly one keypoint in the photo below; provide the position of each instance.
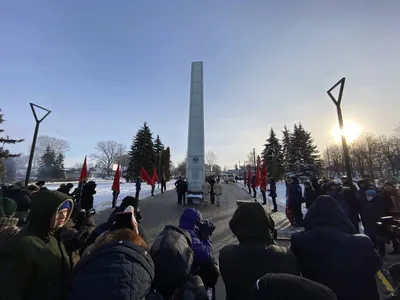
(206, 229)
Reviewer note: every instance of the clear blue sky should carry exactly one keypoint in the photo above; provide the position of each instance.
(105, 67)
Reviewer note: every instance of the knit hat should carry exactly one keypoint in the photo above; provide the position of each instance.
(65, 205)
(7, 207)
(370, 193)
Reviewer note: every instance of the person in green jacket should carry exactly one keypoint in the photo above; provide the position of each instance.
(34, 263)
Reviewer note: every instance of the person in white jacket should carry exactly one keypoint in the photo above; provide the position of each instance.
(206, 191)
(218, 192)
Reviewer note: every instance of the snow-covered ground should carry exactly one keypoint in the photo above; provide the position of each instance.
(103, 197)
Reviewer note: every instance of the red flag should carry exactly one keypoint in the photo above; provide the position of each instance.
(248, 174)
(155, 176)
(117, 179)
(257, 179)
(145, 176)
(263, 179)
(84, 172)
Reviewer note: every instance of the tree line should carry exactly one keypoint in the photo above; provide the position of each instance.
(50, 153)
(295, 154)
(375, 155)
(148, 153)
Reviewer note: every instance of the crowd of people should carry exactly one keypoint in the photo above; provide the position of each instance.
(366, 203)
(211, 190)
(59, 253)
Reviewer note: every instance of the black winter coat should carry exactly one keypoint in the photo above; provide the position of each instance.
(371, 212)
(173, 258)
(242, 265)
(310, 195)
(119, 270)
(329, 252)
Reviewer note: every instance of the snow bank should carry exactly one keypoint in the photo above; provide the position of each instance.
(103, 197)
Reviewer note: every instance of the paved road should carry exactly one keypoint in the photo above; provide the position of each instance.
(162, 209)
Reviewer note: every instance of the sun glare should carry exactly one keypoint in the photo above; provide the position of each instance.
(351, 131)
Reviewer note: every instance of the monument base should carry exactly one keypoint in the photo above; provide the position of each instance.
(194, 197)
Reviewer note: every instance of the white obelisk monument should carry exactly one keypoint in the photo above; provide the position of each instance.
(195, 151)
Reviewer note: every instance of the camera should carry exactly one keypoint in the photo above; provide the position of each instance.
(206, 228)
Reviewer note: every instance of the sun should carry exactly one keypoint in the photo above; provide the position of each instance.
(351, 131)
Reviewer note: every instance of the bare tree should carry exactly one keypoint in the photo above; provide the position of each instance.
(181, 169)
(107, 152)
(122, 159)
(216, 169)
(333, 157)
(250, 158)
(397, 129)
(390, 147)
(43, 141)
(211, 158)
(21, 162)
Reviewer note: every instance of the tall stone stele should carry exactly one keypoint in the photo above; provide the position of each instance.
(195, 151)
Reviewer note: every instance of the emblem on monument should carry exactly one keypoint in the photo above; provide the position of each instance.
(195, 159)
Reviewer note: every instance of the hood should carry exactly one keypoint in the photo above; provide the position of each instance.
(129, 200)
(173, 256)
(7, 207)
(251, 223)
(287, 286)
(190, 218)
(325, 211)
(44, 205)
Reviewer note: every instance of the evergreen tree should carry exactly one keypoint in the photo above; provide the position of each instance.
(273, 156)
(4, 153)
(58, 169)
(286, 148)
(141, 153)
(47, 163)
(158, 152)
(304, 157)
(166, 163)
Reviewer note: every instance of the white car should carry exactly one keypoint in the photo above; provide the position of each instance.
(229, 178)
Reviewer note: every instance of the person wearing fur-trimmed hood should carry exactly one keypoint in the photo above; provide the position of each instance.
(34, 263)
(8, 224)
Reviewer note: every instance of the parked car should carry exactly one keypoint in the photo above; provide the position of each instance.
(229, 178)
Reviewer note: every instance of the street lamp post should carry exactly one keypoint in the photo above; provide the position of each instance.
(341, 125)
(35, 134)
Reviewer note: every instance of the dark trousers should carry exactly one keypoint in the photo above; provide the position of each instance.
(137, 194)
(274, 203)
(254, 192)
(248, 186)
(181, 198)
(212, 197)
(163, 187)
(298, 214)
(264, 196)
(184, 198)
(152, 190)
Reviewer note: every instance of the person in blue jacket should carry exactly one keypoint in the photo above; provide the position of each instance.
(191, 220)
(200, 231)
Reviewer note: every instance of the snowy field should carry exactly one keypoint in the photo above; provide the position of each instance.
(103, 197)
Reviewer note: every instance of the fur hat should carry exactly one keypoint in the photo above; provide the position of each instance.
(7, 207)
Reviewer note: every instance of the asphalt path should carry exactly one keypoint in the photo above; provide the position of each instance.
(162, 209)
